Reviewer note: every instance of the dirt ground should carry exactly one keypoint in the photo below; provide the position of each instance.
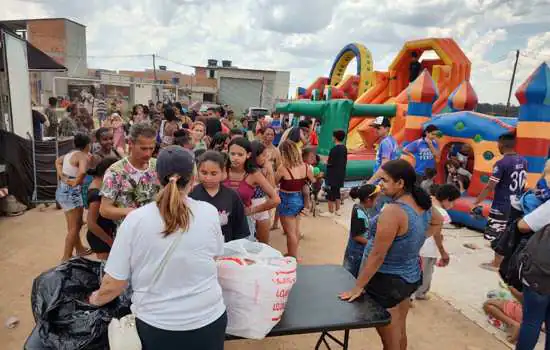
(32, 243)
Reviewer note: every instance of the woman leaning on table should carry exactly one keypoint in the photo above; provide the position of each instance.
(175, 239)
(391, 272)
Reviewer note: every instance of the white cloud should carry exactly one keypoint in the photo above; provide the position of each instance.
(304, 36)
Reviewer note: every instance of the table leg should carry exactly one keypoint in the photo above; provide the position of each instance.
(324, 335)
(346, 339)
(322, 340)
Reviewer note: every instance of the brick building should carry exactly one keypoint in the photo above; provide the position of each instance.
(63, 40)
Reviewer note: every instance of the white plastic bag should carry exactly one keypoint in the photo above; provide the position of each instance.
(256, 281)
(123, 334)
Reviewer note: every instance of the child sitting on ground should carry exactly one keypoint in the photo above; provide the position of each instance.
(429, 176)
(359, 226)
(532, 199)
(506, 311)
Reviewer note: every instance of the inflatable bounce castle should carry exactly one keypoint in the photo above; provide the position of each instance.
(443, 96)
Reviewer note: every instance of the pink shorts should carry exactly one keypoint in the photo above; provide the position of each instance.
(513, 309)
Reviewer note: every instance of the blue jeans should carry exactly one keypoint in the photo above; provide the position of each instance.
(536, 310)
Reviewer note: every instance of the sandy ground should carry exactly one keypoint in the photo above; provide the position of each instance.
(32, 243)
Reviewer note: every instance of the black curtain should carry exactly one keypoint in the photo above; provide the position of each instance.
(16, 154)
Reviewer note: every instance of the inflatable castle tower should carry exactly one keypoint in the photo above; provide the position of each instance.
(533, 128)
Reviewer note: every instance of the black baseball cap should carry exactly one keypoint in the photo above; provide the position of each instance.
(381, 122)
(174, 160)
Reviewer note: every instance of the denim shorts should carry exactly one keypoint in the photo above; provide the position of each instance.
(69, 197)
(292, 203)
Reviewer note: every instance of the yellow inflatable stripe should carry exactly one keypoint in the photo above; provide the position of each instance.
(535, 130)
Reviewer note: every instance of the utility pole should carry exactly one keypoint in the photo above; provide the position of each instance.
(511, 84)
(155, 77)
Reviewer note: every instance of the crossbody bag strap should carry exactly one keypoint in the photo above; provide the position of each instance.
(164, 260)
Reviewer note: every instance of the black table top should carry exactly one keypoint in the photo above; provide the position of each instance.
(313, 305)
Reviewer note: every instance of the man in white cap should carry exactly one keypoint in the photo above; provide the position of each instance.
(388, 149)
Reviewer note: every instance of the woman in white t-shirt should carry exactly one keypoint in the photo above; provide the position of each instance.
(182, 306)
(443, 198)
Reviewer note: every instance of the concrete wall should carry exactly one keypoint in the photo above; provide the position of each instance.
(75, 49)
(282, 84)
(49, 36)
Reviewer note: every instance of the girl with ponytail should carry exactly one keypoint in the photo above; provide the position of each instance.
(391, 272)
(359, 226)
(167, 250)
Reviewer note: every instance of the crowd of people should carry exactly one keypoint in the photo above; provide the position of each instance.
(163, 176)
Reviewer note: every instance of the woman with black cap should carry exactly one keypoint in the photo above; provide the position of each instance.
(166, 249)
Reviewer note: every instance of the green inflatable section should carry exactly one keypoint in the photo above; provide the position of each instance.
(355, 169)
(333, 115)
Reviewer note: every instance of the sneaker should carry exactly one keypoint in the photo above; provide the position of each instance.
(337, 213)
(326, 214)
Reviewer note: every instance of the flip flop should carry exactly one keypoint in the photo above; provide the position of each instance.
(489, 266)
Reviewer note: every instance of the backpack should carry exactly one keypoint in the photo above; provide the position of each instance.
(535, 262)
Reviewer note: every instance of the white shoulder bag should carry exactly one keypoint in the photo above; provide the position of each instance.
(123, 333)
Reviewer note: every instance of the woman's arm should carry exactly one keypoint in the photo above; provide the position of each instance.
(435, 151)
(389, 224)
(93, 215)
(109, 290)
(435, 230)
(108, 210)
(272, 197)
(361, 240)
(59, 167)
(270, 176)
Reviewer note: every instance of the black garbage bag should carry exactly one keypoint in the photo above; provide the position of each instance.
(64, 319)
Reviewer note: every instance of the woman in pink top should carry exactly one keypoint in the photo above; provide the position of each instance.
(116, 122)
(243, 177)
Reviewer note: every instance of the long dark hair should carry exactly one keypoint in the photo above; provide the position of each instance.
(402, 170)
(257, 149)
(250, 164)
(218, 141)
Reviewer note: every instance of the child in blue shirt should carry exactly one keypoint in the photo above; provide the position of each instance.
(359, 227)
(532, 199)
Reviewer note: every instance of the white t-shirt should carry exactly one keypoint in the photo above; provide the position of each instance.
(187, 294)
(429, 249)
(539, 217)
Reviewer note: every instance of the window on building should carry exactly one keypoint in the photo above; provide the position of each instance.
(211, 73)
(208, 97)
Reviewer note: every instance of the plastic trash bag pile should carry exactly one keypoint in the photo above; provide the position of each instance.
(64, 319)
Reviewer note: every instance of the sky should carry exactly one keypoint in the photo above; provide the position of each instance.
(304, 36)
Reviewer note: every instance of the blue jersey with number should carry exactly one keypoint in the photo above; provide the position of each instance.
(424, 158)
(510, 174)
(388, 149)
